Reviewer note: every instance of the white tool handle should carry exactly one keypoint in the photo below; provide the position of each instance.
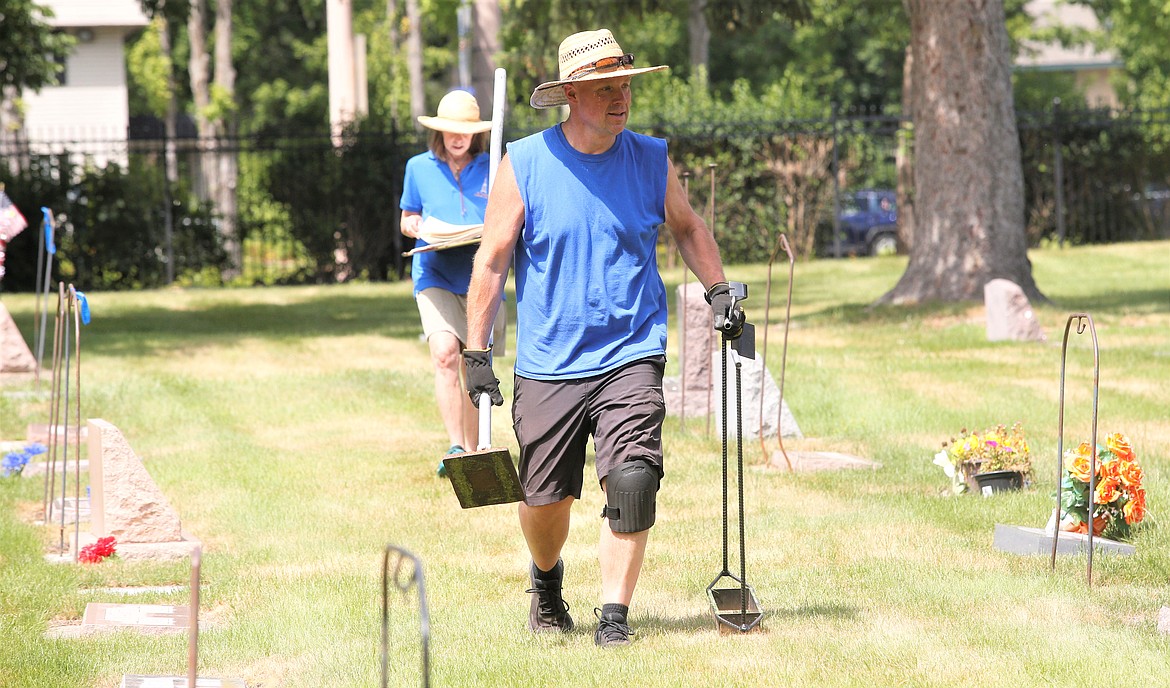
(496, 151)
(485, 422)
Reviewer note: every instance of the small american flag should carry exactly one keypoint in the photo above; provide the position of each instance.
(11, 224)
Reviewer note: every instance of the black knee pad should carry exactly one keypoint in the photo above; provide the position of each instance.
(630, 493)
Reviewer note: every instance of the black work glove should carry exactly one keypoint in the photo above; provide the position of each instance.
(728, 320)
(480, 377)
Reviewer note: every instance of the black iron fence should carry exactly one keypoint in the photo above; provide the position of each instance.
(272, 209)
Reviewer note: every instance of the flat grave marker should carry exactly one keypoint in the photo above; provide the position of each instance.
(135, 681)
(154, 617)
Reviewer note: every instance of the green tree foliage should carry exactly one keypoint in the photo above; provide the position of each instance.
(148, 68)
(110, 226)
(1137, 30)
(29, 48)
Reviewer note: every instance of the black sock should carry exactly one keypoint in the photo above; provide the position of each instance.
(614, 612)
(554, 574)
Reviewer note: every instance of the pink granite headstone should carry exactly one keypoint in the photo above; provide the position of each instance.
(15, 356)
(125, 502)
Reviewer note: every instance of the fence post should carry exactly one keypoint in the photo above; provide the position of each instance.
(1058, 170)
(836, 188)
(169, 203)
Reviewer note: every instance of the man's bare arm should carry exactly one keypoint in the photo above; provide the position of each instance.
(695, 240)
(501, 228)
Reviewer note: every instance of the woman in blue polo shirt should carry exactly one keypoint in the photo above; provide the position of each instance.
(449, 182)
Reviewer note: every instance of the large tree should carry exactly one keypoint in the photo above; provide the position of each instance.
(968, 179)
(215, 117)
(30, 53)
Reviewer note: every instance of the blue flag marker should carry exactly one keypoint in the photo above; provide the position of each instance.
(48, 223)
(84, 307)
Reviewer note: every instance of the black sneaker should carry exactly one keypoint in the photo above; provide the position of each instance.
(611, 633)
(548, 613)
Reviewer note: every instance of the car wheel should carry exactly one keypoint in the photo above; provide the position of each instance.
(883, 245)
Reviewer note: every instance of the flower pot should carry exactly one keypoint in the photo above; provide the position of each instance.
(999, 481)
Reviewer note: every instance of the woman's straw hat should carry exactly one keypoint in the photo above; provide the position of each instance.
(458, 113)
(587, 56)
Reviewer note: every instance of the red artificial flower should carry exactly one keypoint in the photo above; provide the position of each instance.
(98, 551)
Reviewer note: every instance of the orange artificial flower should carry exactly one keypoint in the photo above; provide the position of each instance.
(1108, 490)
(1135, 510)
(1080, 468)
(1130, 474)
(1109, 468)
(1118, 444)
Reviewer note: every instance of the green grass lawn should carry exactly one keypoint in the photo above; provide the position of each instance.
(294, 431)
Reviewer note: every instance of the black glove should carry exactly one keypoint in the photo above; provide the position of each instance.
(480, 377)
(728, 320)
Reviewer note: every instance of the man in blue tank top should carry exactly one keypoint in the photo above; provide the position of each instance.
(578, 206)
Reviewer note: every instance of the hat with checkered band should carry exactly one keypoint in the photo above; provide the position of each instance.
(587, 56)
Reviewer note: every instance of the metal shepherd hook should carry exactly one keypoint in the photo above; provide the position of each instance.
(1082, 320)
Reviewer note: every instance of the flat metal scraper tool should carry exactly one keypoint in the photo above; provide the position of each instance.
(487, 475)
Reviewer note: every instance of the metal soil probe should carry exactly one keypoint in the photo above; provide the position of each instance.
(1083, 320)
(404, 578)
(735, 608)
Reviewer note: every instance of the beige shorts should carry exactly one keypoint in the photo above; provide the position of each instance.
(442, 311)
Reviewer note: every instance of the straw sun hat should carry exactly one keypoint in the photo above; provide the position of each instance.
(458, 113)
(587, 56)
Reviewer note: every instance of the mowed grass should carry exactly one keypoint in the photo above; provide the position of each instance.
(294, 430)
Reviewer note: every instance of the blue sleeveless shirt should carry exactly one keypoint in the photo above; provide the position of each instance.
(588, 294)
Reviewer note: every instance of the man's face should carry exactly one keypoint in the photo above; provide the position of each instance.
(602, 104)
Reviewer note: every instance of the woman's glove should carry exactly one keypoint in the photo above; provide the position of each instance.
(481, 379)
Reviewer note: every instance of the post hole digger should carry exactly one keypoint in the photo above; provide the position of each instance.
(735, 606)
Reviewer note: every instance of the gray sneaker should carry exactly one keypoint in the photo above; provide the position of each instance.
(611, 633)
(548, 613)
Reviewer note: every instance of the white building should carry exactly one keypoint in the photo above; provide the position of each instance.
(1094, 70)
(89, 111)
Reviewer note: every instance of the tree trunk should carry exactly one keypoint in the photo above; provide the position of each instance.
(485, 45)
(414, 63)
(699, 34)
(904, 160)
(199, 71)
(226, 128)
(968, 179)
(171, 123)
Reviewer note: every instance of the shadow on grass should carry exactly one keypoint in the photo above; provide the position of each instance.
(655, 625)
(1143, 300)
(139, 331)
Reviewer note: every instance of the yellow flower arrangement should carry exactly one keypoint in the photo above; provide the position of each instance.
(995, 449)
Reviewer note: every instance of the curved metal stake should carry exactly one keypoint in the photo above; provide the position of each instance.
(1081, 319)
(782, 243)
(710, 372)
(75, 308)
(682, 340)
(193, 618)
(54, 409)
(403, 580)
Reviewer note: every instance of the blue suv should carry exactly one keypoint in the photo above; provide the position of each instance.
(868, 222)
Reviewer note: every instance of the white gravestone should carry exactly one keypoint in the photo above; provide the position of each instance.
(754, 382)
(1009, 313)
